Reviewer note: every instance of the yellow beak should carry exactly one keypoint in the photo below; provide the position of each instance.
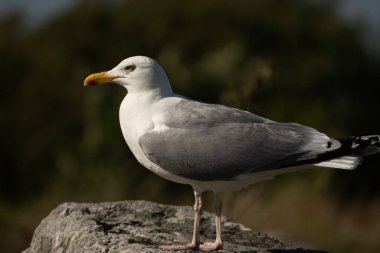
(98, 78)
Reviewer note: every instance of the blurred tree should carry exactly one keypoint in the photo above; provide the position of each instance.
(288, 60)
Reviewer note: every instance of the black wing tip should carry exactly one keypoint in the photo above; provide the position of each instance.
(361, 145)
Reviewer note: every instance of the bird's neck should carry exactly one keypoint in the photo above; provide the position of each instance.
(145, 99)
(135, 113)
(149, 96)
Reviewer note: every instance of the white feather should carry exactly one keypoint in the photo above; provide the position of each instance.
(348, 162)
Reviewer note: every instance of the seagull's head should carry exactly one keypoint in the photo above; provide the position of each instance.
(136, 74)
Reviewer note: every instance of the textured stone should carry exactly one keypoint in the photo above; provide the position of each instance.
(139, 226)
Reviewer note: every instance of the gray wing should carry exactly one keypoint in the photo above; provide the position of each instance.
(214, 142)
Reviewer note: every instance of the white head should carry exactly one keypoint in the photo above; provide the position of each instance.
(136, 74)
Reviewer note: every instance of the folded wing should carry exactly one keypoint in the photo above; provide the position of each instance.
(214, 142)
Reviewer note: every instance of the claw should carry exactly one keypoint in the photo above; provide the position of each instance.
(189, 246)
(211, 246)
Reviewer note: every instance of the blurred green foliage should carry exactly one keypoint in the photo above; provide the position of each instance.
(288, 60)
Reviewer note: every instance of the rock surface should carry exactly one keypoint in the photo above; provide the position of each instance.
(139, 226)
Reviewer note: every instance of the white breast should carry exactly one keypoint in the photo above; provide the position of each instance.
(134, 123)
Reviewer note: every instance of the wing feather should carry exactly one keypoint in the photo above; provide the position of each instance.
(213, 142)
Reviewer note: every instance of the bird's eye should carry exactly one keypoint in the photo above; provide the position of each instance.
(130, 68)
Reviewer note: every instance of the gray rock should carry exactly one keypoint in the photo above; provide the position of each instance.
(139, 226)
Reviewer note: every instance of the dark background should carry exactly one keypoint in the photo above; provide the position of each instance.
(292, 60)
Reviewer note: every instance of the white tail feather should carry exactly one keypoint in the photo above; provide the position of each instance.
(348, 162)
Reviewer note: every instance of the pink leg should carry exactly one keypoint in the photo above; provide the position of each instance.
(195, 242)
(218, 226)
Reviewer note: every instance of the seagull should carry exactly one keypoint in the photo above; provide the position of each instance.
(213, 147)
